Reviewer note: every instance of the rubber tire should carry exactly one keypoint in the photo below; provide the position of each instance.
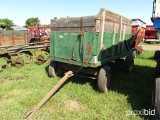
(134, 54)
(128, 64)
(104, 78)
(156, 98)
(157, 55)
(52, 69)
(157, 74)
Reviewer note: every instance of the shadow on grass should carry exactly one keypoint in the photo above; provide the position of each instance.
(137, 85)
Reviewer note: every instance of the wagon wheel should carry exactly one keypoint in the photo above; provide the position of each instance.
(19, 62)
(129, 63)
(40, 59)
(134, 53)
(52, 69)
(104, 78)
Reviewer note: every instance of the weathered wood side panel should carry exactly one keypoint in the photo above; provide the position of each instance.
(19, 37)
(11, 37)
(7, 40)
(91, 23)
(74, 29)
(86, 23)
(114, 17)
(109, 27)
(18, 40)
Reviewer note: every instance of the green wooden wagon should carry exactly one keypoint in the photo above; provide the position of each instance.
(88, 44)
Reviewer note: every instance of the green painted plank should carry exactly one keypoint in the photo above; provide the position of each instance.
(71, 46)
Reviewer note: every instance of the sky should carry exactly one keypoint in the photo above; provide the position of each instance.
(20, 10)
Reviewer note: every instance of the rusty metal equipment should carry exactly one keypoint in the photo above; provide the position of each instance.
(140, 25)
(19, 62)
(16, 43)
(49, 95)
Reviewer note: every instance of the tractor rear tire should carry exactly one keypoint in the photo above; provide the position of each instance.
(157, 74)
(104, 78)
(157, 55)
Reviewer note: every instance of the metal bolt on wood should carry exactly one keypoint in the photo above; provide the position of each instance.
(49, 95)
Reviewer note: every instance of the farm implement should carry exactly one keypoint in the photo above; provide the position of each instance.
(88, 45)
(15, 43)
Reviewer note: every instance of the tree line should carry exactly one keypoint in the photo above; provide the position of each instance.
(29, 22)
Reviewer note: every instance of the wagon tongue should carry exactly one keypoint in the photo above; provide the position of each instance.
(49, 95)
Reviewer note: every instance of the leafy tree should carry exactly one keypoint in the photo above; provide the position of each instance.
(32, 21)
(7, 22)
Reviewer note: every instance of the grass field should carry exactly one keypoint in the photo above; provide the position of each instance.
(78, 99)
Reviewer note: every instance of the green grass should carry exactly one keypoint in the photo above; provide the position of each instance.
(78, 99)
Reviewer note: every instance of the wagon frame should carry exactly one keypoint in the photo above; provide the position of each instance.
(87, 44)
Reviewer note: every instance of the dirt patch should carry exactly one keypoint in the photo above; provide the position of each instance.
(75, 105)
(149, 47)
(8, 80)
(22, 92)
